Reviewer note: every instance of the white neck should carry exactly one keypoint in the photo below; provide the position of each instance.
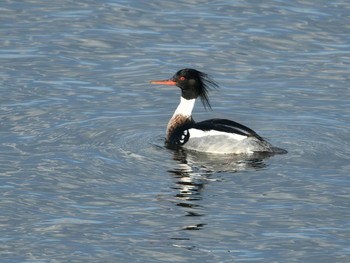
(185, 107)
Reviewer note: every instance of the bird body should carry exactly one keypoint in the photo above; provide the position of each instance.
(215, 135)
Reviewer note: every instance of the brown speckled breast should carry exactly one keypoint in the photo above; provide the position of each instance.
(177, 122)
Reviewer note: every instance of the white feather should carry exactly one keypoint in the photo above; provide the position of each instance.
(196, 133)
(185, 107)
(222, 142)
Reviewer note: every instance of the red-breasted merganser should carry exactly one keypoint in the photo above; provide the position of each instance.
(214, 135)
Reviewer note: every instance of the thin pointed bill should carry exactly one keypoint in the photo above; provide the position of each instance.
(165, 82)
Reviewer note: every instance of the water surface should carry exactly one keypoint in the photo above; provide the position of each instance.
(85, 176)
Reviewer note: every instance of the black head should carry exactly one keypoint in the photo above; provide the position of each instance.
(193, 84)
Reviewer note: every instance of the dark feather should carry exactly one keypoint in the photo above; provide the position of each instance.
(207, 85)
(226, 126)
(195, 84)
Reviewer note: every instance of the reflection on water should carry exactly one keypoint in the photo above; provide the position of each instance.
(195, 170)
(193, 162)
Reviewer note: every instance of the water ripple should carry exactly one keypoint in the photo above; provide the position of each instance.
(85, 175)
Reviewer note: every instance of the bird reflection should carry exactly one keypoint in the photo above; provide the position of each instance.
(194, 170)
(189, 188)
(208, 163)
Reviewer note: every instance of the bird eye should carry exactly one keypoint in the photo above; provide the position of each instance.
(182, 78)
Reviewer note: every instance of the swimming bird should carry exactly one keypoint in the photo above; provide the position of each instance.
(218, 136)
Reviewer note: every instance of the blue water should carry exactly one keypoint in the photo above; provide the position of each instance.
(85, 176)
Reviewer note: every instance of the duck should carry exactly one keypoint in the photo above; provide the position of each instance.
(217, 136)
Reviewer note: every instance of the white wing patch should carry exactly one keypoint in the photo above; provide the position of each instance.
(219, 142)
(195, 133)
